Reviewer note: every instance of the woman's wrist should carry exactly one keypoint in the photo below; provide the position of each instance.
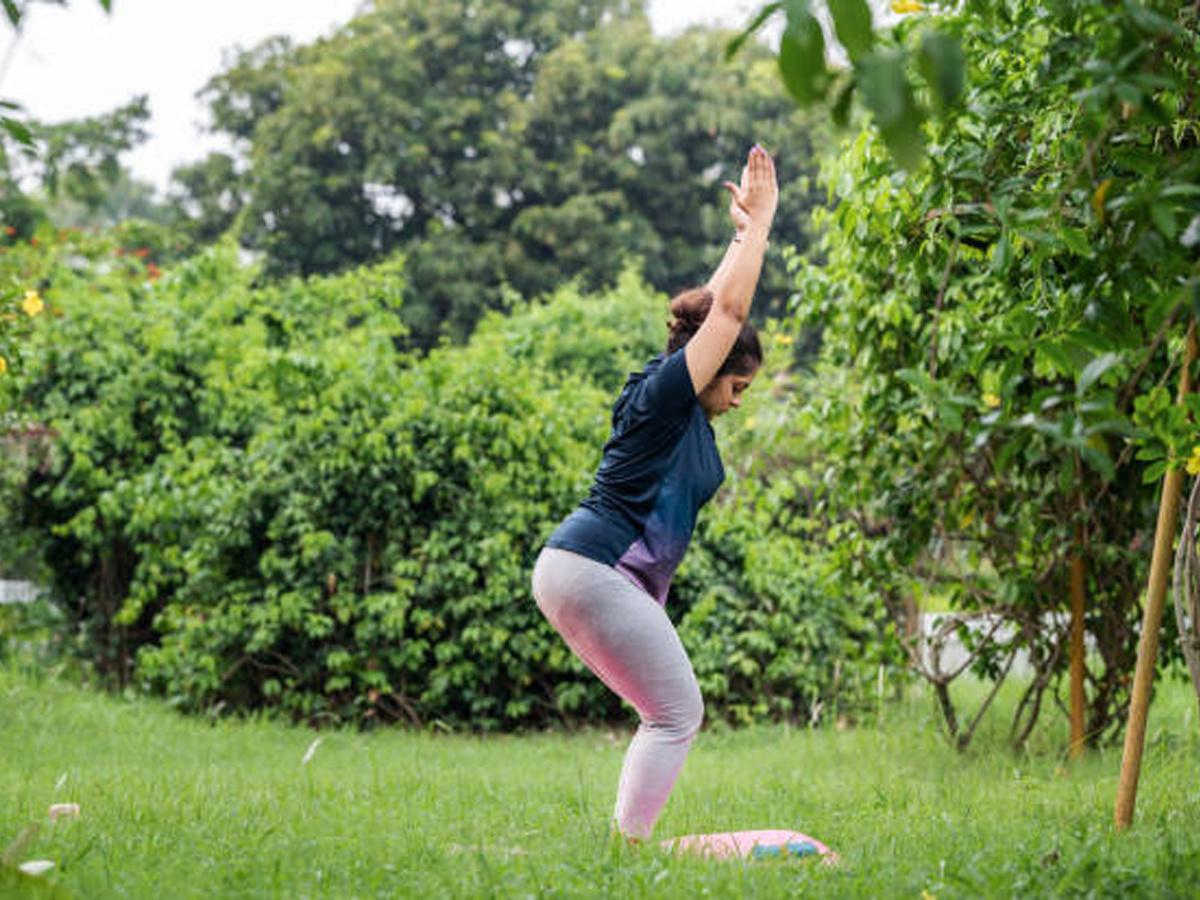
(751, 233)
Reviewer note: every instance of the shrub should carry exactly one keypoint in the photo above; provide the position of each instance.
(253, 501)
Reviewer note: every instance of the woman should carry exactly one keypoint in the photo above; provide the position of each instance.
(603, 576)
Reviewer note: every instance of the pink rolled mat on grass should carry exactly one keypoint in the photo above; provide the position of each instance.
(751, 845)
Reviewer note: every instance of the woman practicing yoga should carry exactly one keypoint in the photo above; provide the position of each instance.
(603, 576)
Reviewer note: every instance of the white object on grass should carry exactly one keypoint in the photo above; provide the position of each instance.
(308, 754)
(36, 866)
(63, 811)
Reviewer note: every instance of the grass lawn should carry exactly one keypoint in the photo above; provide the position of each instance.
(175, 807)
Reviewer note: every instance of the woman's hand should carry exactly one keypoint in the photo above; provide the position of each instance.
(752, 203)
(752, 208)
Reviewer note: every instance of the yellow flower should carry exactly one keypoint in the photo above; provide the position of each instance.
(32, 304)
(991, 401)
(907, 6)
(3, 365)
(1193, 463)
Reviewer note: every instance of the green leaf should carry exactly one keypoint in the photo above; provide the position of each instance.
(1150, 248)
(1154, 472)
(107, 4)
(840, 111)
(918, 378)
(12, 11)
(885, 89)
(1008, 451)
(1002, 256)
(17, 130)
(756, 23)
(802, 55)
(1093, 371)
(943, 66)
(1164, 220)
(1057, 356)
(852, 23)
(1181, 190)
(887, 93)
(1076, 240)
(951, 416)
(1151, 22)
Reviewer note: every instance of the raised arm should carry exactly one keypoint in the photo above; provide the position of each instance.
(752, 208)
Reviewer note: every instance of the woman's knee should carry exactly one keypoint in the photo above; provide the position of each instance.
(683, 717)
(695, 713)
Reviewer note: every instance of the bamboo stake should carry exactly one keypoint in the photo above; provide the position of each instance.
(1160, 565)
(1077, 667)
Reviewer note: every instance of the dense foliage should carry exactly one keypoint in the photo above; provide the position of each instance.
(500, 145)
(246, 493)
(1007, 324)
(244, 497)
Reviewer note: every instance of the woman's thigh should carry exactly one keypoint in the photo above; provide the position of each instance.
(620, 632)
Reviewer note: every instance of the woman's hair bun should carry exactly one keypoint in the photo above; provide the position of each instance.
(688, 311)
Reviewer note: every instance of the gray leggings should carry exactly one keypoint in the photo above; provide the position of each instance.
(623, 635)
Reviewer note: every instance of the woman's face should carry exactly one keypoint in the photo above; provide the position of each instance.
(724, 393)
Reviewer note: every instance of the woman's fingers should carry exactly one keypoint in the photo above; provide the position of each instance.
(759, 192)
(754, 196)
(737, 203)
(758, 172)
(737, 192)
(762, 167)
(757, 165)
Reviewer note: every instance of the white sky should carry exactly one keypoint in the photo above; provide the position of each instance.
(78, 61)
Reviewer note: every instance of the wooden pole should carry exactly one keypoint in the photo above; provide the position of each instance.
(1077, 667)
(1160, 570)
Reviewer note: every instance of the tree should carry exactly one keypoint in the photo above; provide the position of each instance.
(76, 166)
(110, 202)
(1006, 315)
(499, 144)
(205, 197)
(627, 140)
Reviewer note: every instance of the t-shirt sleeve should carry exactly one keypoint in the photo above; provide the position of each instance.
(667, 392)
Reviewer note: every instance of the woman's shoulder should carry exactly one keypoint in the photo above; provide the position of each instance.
(662, 377)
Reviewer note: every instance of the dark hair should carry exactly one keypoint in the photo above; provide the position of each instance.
(689, 309)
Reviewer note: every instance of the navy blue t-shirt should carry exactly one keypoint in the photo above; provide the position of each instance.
(660, 466)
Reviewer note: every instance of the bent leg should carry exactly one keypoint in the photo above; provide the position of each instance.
(625, 637)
